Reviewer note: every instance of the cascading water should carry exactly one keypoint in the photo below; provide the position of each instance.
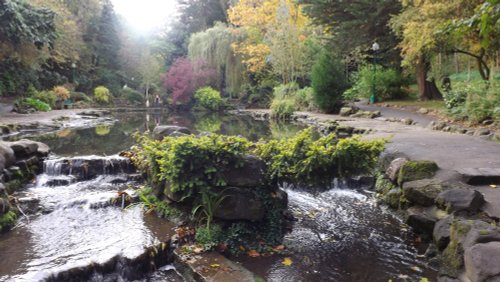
(76, 232)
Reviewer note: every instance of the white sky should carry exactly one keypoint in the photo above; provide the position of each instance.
(145, 15)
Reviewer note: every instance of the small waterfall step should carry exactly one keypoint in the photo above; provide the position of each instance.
(88, 167)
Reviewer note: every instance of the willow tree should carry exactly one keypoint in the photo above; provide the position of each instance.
(214, 47)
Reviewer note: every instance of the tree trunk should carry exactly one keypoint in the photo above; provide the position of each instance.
(427, 89)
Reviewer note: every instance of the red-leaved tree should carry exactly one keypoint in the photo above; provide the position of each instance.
(185, 76)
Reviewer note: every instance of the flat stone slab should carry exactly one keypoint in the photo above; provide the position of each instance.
(477, 176)
(492, 200)
(211, 267)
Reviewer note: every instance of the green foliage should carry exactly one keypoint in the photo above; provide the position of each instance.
(48, 97)
(209, 237)
(474, 101)
(288, 98)
(132, 95)
(152, 203)
(79, 96)
(208, 98)
(35, 104)
(7, 221)
(389, 84)
(302, 159)
(102, 95)
(328, 82)
(211, 122)
(191, 163)
(209, 203)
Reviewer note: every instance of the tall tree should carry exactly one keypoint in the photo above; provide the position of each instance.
(354, 25)
(421, 27)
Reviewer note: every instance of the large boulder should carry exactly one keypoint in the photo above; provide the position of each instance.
(43, 149)
(393, 169)
(422, 192)
(482, 262)
(416, 170)
(240, 204)
(7, 157)
(24, 148)
(251, 173)
(423, 219)
(162, 131)
(460, 200)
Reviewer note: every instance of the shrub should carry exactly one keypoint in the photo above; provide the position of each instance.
(209, 237)
(102, 95)
(48, 97)
(475, 101)
(61, 92)
(79, 96)
(328, 82)
(389, 84)
(304, 99)
(283, 109)
(35, 104)
(302, 159)
(132, 95)
(208, 98)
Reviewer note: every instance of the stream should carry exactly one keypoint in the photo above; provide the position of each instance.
(75, 234)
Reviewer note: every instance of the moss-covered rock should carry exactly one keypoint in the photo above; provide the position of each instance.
(416, 170)
(383, 185)
(7, 221)
(422, 192)
(392, 198)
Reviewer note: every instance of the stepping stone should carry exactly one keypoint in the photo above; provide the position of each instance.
(477, 176)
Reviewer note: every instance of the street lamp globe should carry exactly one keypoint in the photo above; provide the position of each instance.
(373, 97)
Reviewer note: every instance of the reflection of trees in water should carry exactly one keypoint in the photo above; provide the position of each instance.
(108, 140)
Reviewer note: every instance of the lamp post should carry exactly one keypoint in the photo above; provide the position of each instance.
(375, 48)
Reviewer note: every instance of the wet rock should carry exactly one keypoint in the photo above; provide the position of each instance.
(387, 157)
(94, 113)
(240, 204)
(3, 191)
(441, 232)
(88, 167)
(161, 131)
(423, 219)
(416, 170)
(393, 169)
(482, 262)
(482, 132)
(29, 205)
(422, 192)
(252, 173)
(431, 251)
(63, 181)
(460, 200)
(24, 148)
(43, 149)
(438, 125)
(7, 157)
(4, 206)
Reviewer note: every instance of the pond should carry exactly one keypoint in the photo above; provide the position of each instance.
(341, 234)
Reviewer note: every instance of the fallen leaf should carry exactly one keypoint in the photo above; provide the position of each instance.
(279, 248)
(287, 261)
(215, 265)
(197, 250)
(253, 253)
(416, 269)
(242, 248)
(403, 276)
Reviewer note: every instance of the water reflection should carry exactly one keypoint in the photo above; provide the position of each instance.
(110, 139)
